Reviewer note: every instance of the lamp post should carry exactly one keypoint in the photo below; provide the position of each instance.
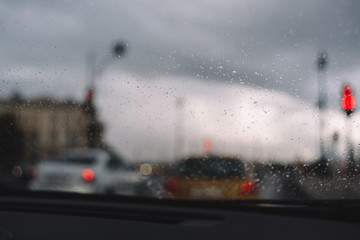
(179, 128)
(118, 50)
(94, 128)
(321, 63)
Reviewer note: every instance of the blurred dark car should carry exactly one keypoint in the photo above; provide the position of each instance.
(210, 177)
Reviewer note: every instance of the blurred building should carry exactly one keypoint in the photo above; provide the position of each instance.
(49, 126)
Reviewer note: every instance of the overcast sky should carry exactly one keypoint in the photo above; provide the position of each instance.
(245, 70)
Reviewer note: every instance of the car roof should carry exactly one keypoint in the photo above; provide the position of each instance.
(89, 153)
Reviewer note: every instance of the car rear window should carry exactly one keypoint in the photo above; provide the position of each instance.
(212, 167)
(78, 160)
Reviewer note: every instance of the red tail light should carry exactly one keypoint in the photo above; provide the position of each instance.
(247, 187)
(88, 174)
(172, 185)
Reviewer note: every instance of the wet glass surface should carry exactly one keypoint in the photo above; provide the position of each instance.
(137, 87)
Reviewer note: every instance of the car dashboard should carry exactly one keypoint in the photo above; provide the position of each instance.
(77, 216)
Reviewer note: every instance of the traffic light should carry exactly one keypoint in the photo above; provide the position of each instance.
(348, 101)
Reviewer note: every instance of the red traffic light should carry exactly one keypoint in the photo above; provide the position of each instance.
(347, 90)
(348, 102)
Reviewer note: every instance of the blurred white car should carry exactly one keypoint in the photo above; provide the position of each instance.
(85, 171)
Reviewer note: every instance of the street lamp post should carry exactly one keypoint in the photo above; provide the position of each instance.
(321, 63)
(94, 128)
(179, 128)
(118, 50)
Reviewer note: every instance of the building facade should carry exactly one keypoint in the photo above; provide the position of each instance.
(50, 126)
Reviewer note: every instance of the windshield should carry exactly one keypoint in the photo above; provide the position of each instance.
(182, 99)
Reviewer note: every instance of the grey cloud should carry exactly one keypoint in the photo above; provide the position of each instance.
(188, 38)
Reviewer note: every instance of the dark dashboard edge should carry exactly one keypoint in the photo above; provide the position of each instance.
(171, 211)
